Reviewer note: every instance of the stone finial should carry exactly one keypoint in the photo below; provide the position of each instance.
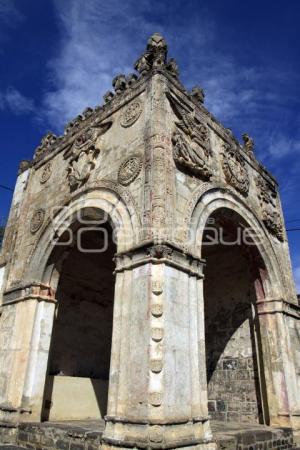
(47, 141)
(119, 83)
(24, 165)
(172, 67)
(198, 94)
(154, 56)
(108, 96)
(248, 144)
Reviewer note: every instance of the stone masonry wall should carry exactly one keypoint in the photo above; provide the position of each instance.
(230, 347)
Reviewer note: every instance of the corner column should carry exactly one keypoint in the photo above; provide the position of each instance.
(280, 363)
(26, 326)
(157, 391)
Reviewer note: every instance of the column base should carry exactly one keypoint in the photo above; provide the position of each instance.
(192, 435)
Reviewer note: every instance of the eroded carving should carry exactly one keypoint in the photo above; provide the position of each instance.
(46, 172)
(157, 334)
(157, 309)
(191, 142)
(156, 365)
(131, 114)
(155, 57)
(37, 220)
(234, 169)
(268, 202)
(156, 434)
(155, 398)
(130, 170)
(248, 145)
(47, 142)
(83, 154)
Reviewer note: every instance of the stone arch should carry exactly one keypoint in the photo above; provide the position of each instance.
(205, 201)
(116, 204)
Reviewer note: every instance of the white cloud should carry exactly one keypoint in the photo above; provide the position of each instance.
(99, 40)
(15, 102)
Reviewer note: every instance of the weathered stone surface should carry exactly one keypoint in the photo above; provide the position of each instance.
(177, 327)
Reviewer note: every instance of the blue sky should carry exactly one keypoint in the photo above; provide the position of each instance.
(59, 56)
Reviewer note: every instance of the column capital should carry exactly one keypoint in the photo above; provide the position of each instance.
(278, 305)
(29, 291)
(160, 253)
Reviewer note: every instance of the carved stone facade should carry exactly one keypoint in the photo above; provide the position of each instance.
(145, 280)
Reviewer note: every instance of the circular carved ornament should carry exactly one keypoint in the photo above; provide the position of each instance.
(157, 309)
(156, 434)
(131, 114)
(157, 334)
(129, 170)
(37, 220)
(155, 398)
(47, 171)
(156, 365)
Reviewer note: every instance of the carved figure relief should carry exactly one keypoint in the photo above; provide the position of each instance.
(268, 203)
(131, 114)
(248, 145)
(234, 169)
(155, 398)
(37, 220)
(129, 170)
(46, 173)
(191, 142)
(83, 154)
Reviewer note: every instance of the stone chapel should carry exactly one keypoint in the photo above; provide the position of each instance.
(146, 292)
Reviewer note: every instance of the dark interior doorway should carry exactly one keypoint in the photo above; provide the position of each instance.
(233, 356)
(79, 360)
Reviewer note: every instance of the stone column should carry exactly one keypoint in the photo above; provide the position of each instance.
(157, 391)
(279, 362)
(27, 318)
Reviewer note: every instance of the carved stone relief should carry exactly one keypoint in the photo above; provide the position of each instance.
(131, 114)
(130, 170)
(83, 154)
(46, 173)
(234, 168)
(268, 203)
(191, 142)
(37, 220)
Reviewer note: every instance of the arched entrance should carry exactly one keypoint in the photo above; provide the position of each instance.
(80, 350)
(234, 268)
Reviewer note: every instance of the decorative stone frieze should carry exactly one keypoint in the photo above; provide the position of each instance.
(268, 202)
(160, 254)
(234, 168)
(37, 220)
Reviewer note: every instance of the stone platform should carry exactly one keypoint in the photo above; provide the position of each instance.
(86, 435)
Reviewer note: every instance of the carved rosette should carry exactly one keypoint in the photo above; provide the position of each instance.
(37, 220)
(131, 114)
(130, 170)
(268, 203)
(234, 168)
